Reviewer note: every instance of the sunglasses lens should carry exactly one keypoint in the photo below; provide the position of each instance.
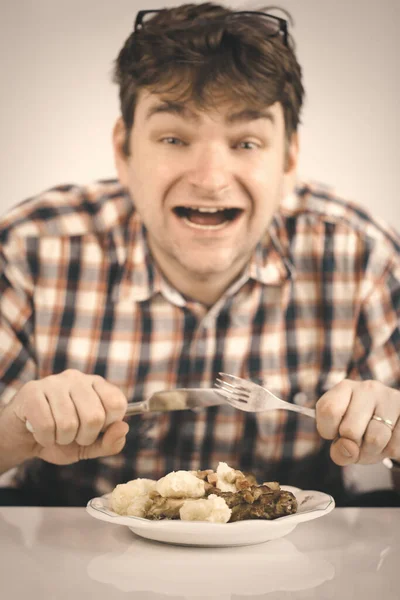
(148, 16)
(271, 26)
(143, 17)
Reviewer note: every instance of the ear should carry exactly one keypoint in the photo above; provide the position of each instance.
(291, 153)
(121, 158)
(291, 162)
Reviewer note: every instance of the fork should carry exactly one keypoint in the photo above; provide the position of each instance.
(251, 397)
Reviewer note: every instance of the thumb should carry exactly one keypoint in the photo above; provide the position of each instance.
(344, 451)
(110, 443)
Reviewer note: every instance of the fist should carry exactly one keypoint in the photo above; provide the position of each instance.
(345, 414)
(68, 412)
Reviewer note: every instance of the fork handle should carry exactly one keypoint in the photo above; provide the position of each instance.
(310, 412)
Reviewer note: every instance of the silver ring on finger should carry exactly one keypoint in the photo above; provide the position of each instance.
(386, 422)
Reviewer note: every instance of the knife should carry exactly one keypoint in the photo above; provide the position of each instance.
(176, 399)
(166, 400)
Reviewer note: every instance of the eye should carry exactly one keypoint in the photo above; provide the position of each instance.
(247, 145)
(172, 141)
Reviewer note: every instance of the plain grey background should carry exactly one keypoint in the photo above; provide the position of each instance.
(58, 104)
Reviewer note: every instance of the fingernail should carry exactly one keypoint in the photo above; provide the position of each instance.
(343, 450)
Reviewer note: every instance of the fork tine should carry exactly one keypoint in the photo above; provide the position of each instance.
(233, 381)
(231, 388)
(222, 382)
(222, 387)
(231, 399)
(227, 376)
(231, 393)
(223, 392)
(234, 378)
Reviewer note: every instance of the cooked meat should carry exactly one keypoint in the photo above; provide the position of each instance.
(240, 479)
(165, 508)
(244, 481)
(202, 474)
(259, 502)
(273, 485)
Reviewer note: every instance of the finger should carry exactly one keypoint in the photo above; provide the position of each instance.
(113, 400)
(331, 408)
(344, 452)
(31, 404)
(376, 438)
(90, 412)
(64, 413)
(110, 443)
(392, 449)
(378, 433)
(358, 415)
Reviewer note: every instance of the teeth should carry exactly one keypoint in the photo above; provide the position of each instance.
(207, 210)
(197, 226)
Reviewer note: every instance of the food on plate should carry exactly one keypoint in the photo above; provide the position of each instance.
(221, 496)
(180, 484)
(212, 509)
(126, 496)
(259, 502)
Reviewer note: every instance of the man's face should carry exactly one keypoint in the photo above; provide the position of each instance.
(205, 183)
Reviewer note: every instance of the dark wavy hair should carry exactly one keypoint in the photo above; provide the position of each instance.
(203, 54)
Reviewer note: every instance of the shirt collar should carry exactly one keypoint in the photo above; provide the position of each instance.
(271, 263)
(139, 279)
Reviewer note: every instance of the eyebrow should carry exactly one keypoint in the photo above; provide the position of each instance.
(176, 108)
(250, 114)
(172, 108)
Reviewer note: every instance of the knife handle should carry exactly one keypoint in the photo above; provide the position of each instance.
(133, 408)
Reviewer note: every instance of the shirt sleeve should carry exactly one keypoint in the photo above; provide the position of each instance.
(17, 354)
(377, 344)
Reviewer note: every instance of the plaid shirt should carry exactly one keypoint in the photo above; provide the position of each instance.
(320, 301)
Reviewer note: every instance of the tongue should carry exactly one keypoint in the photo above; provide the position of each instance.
(201, 218)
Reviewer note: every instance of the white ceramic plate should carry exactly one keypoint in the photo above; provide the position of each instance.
(311, 505)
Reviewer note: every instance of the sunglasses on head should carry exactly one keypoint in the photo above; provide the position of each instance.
(274, 26)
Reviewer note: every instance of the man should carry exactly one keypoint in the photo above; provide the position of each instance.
(205, 256)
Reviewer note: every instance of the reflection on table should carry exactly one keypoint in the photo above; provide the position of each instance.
(62, 553)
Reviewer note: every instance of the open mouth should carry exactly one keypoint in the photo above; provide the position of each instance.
(207, 218)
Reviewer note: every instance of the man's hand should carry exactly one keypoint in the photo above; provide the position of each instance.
(345, 415)
(73, 417)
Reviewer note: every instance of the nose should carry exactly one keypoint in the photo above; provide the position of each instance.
(209, 174)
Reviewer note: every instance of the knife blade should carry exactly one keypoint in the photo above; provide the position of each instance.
(176, 399)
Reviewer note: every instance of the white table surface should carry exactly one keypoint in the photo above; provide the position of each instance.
(63, 553)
